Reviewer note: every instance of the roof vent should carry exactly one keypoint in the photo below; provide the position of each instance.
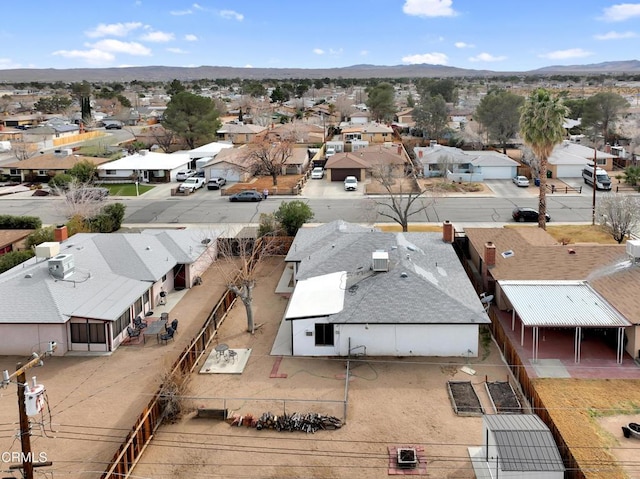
(404, 275)
(380, 261)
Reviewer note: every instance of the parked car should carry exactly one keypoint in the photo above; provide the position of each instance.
(527, 214)
(248, 195)
(216, 183)
(199, 174)
(350, 183)
(317, 173)
(184, 174)
(521, 181)
(193, 183)
(113, 126)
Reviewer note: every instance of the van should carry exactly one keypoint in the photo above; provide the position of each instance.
(603, 182)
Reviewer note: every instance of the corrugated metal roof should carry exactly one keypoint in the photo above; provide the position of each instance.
(560, 304)
(524, 443)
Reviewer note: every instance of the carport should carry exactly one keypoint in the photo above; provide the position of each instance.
(561, 304)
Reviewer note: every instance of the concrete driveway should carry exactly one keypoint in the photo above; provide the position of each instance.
(330, 189)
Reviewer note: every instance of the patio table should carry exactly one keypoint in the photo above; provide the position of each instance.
(155, 328)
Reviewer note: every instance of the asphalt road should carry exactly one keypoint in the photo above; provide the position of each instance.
(208, 207)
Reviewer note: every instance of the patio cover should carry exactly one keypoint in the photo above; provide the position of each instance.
(561, 304)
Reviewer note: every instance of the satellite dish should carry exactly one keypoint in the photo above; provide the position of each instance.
(484, 299)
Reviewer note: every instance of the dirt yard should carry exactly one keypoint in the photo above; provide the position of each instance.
(285, 185)
(391, 402)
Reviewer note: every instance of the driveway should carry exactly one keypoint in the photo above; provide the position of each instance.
(330, 189)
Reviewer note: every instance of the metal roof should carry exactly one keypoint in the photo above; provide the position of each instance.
(524, 443)
(561, 304)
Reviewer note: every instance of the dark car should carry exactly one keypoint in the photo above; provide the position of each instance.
(113, 126)
(527, 214)
(216, 183)
(249, 195)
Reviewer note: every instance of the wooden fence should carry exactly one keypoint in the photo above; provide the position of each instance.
(529, 391)
(151, 418)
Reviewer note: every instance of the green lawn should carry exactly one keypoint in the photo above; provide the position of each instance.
(128, 189)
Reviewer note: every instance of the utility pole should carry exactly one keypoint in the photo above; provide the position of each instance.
(25, 429)
(595, 167)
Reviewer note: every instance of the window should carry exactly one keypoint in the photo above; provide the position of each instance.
(137, 308)
(601, 161)
(111, 172)
(13, 171)
(164, 278)
(42, 172)
(145, 297)
(121, 323)
(88, 333)
(324, 334)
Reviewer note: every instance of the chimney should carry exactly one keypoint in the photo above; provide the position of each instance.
(607, 148)
(489, 254)
(419, 153)
(60, 234)
(399, 149)
(447, 232)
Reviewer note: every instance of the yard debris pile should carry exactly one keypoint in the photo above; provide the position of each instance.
(309, 423)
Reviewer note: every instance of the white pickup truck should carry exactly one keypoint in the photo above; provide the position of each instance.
(191, 184)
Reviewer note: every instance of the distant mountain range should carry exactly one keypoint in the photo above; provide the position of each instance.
(163, 73)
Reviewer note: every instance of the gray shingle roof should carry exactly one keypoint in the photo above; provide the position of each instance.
(524, 443)
(425, 282)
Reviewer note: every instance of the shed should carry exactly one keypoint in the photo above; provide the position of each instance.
(516, 446)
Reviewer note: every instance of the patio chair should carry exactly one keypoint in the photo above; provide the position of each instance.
(231, 356)
(166, 337)
(133, 333)
(139, 323)
(174, 325)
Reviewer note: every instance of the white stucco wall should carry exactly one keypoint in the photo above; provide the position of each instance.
(388, 339)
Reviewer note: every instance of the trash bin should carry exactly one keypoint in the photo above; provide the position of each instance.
(536, 182)
(549, 174)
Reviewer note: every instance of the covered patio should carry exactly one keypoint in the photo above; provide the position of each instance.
(547, 311)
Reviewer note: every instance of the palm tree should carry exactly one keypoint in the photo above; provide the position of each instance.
(541, 119)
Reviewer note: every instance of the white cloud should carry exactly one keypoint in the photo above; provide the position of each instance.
(487, 57)
(231, 15)
(157, 37)
(116, 46)
(429, 8)
(179, 51)
(430, 58)
(364, 53)
(615, 35)
(621, 12)
(564, 54)
(198, 7)
(339, 51)
(7, 63)
(179, 13)
(113, 29)
(464, 45)
(248, 65)
(190, 37)
(318, 51)
(93, 56)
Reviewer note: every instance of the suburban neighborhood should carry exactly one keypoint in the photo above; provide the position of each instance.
(379, 299)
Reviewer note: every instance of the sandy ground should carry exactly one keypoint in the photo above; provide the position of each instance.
(390, 403)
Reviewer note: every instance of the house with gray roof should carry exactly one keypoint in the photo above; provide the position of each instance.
(516, 446)
(360, 291)
(83, 291)
(460, 165)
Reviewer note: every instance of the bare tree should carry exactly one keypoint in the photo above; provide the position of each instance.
(444, 163)
(82, 199)
(164, 138)
(246, 254)
(268, 157)
(344, 106)
(619, 215)
(404, 197)
(23, 150)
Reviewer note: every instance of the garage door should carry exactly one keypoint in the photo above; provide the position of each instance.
(230, 174)
(569, 171)
(341, 174)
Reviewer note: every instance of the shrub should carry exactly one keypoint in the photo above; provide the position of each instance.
(8, 222)
(41, 235)
(292, 215)
(14, 258)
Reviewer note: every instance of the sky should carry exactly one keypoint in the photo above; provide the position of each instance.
(498, 35)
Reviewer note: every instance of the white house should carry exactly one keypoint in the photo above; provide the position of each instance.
(209, 150)
(568, 159)
(360, 291)
(146, 165)
(460, 165)
(516, 446)
(83, 292)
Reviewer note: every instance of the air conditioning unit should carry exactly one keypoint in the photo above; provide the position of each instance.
(380, 261)
(61, 266)
(633, 250)
(47, 250)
